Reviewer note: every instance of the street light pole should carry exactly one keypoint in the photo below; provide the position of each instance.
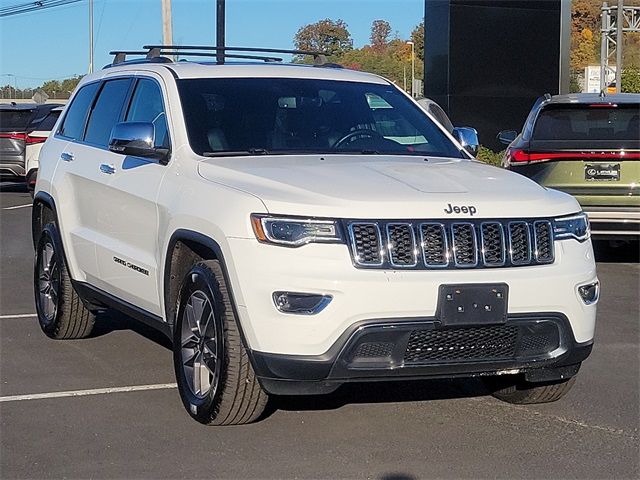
(619, 39)
(413, 67)
(90, 36)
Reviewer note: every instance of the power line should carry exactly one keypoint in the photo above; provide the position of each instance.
(19, 9)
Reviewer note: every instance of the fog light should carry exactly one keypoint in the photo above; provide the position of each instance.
(300, 303)
(589, 293)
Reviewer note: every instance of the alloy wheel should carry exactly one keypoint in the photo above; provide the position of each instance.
(48, 282)
(199, 345)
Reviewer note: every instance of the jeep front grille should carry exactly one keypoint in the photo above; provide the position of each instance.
(450, 244)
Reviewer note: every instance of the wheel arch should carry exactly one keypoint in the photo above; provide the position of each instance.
(185, 248)
(43, 212)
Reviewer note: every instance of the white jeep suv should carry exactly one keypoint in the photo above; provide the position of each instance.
(295, 227)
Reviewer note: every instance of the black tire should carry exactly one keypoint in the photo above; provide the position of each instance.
(230, 393)
(30, 180)
(60, 310)
(521, 392)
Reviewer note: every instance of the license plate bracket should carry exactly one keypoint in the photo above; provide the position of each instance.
(472, 304)
(602, 172)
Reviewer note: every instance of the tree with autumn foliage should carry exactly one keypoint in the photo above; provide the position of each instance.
(331, 37)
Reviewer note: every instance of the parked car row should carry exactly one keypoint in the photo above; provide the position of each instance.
(587, 145)
(23, 130)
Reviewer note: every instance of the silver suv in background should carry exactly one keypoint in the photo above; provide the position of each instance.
(23, 130)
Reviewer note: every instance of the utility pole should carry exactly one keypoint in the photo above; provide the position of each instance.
(90, 36)
(619, 29)
(167, 23)
(220, 30)
(413, 67)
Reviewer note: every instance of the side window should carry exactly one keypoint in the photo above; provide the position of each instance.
(106, 112)
(147, 106)
(74, 120)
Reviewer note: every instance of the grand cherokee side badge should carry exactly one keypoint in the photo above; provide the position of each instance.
(470, 209)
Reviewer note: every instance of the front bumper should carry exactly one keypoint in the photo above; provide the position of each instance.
(541, 346)
(607, 222)
(257, 270)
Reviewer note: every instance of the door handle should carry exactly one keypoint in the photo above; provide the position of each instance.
(66, 157)
(109, 169)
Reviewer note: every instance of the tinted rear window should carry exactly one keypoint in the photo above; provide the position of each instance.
(106, 111)
(47, 123)
(584, 122)
(14, 120)
(73, 125)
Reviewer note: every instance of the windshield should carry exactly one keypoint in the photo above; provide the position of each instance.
(242, 116)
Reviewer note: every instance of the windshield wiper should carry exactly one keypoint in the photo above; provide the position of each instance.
(238, 153)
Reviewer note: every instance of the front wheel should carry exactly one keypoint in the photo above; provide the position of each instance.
(215, 378)
(521, 392)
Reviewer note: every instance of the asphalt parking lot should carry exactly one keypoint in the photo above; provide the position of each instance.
(125, 419)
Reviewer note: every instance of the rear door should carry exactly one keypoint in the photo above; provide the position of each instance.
(127, 245)
(589, 151)
(80, 182)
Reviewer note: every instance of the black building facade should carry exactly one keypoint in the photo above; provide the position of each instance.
(486, 61)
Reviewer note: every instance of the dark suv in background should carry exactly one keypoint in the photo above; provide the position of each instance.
(587, 145)
(23, 130)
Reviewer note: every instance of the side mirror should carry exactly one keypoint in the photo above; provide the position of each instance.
(136, 139)
(468, 138)
(507, 136)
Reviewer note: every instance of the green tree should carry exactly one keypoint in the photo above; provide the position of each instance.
(53, 88)
(417, 37)
(630, 81)
(380, 31)
(328, 36)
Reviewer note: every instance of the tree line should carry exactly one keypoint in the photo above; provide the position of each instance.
(387, 54)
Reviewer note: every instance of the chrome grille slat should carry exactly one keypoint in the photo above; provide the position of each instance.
(367, 244)
(519, 243)
(450, 244)
(543, 241)
(465, 244)
(492, 244)
(434, 245)
(401, 244)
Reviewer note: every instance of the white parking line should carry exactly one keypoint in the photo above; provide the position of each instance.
(81, 393)
(19, 206)
(20, 315)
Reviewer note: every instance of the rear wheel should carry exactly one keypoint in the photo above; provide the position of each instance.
(521, 392)
(215, 379)
(31, 179)
(60, 310)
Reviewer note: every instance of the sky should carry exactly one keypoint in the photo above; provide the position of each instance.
(54, 43)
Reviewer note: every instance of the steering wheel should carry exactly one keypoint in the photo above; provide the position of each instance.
(361, 132)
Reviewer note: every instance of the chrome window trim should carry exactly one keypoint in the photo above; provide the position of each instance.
(528, 259)
(475, 245)
(352, 240)
(503, 255)
(551, 239)
(390, 249)
(447, 254)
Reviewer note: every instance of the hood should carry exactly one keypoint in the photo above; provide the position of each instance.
(385, 187)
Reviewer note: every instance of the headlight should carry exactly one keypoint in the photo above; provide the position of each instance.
(294, 232)
(575, 226)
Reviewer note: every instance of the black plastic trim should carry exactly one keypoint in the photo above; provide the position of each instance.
(302, 374)
(96, 298)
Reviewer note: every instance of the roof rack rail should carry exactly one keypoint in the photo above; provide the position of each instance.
(154, 53)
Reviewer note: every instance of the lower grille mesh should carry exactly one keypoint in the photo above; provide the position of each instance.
(472, 343)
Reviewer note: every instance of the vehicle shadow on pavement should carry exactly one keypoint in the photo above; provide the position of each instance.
(623, 253)
(14, 187)
(381, 392)
(109, 321)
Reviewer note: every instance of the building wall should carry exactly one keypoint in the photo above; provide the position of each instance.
(486, 61)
